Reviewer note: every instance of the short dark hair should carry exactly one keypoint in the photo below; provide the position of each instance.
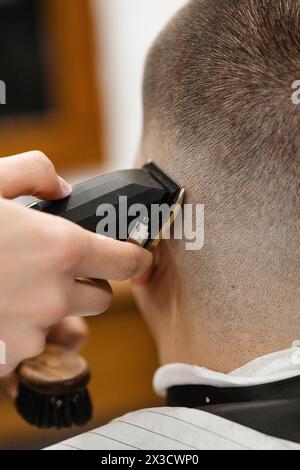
(218, 89)
(226, 68)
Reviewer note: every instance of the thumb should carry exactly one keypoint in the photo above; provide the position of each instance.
(72, 332)
(31, 174)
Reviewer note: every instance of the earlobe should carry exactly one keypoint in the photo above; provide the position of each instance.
(145, 279)
(140, 281)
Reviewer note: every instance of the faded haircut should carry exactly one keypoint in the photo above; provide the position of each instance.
(219, 117)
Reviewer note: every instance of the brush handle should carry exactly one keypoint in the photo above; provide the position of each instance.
(56, 371)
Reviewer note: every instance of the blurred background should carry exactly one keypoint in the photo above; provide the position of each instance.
(73, 73)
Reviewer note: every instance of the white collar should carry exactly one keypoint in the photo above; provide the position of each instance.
(266, 369)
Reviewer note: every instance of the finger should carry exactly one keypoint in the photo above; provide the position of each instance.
(13, 386)
(71, 332)
(31, 174)
(105, 258)
(91, 298)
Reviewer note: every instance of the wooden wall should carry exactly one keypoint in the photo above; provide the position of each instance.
(70, 131)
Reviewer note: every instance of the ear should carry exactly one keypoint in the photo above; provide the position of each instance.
(146, 278)
(159, 283)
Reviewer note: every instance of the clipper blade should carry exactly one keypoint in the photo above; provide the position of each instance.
(142, 233)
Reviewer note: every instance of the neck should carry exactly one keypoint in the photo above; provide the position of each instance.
(220, 351)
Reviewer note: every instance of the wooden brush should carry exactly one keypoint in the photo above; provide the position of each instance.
(53, 391)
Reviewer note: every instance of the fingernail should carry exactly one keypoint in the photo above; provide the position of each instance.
(141, 280)
(67, 188)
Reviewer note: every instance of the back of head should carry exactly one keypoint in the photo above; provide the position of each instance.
(220, 119)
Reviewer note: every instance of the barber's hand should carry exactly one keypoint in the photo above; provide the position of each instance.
(43, 256)
(72, 332)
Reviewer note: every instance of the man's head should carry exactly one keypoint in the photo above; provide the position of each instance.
(220, 120)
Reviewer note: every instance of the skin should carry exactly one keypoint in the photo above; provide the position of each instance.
(170, 297)
(42, 259)
(224, 127)
(156, 294)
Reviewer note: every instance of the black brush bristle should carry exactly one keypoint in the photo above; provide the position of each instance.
(46, 411)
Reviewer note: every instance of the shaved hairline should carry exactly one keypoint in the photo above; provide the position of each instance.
(219, 119)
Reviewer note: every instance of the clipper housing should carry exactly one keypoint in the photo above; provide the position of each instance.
(147, 186)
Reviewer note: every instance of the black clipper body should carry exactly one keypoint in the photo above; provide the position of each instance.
(147, 186)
